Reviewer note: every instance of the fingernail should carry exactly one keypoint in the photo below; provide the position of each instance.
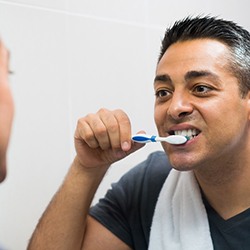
(125, 146)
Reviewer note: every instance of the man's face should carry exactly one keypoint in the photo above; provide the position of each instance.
(196, 94)
(6, 110)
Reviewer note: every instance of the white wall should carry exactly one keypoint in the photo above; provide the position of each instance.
(71, 57)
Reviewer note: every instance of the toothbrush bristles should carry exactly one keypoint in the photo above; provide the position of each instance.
(188, 138)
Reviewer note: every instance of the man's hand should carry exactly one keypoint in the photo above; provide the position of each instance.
(103, 138)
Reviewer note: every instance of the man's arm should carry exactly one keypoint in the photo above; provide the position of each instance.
(100, 140)
(97, 237)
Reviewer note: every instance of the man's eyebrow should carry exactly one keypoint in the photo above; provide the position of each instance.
(162, 78)
(165, 78)
(202, 73)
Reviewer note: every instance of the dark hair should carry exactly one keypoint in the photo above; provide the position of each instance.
(232, 35)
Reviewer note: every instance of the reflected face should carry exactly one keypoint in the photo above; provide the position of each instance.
(198, 96)
(6, 110)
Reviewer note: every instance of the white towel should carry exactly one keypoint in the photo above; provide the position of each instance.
(180, 220)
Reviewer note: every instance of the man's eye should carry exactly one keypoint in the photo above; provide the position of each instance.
(201, 89)
(162, 93)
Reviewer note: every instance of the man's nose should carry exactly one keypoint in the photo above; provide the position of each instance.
(180, 106)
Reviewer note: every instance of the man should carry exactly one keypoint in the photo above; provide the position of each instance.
(6, 109)
(202, 87)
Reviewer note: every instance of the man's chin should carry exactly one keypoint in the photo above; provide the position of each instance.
(182, 165)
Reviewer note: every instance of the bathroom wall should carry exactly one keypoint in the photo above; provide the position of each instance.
(70, 58)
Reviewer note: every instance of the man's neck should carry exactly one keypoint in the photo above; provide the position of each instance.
(228, 192)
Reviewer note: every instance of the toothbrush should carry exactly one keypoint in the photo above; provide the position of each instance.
(172, 139)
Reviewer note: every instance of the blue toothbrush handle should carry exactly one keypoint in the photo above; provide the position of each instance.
(172, 139)
(144, 138)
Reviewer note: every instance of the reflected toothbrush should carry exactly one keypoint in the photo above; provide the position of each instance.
(172, 139)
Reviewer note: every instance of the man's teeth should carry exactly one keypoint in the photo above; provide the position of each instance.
(191, 133)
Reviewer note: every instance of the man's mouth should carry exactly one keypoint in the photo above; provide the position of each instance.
(189, 133)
